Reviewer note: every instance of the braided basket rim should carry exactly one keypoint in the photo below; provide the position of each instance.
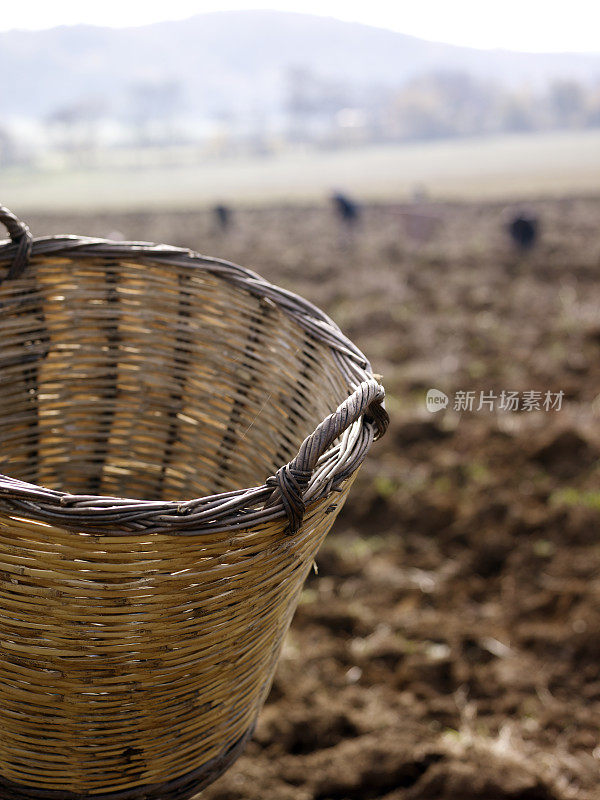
(224, 511)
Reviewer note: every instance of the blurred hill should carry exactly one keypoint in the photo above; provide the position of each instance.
(211, 63)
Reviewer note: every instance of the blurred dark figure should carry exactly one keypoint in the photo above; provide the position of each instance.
(524, 230)
(222, 215)
(347, 210)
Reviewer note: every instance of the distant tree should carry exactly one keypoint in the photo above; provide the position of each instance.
(441, 104)
(9, 153)
(74, 127)
(593, 111)
(312, 101)
(153, 108)
(299, 91)
(567, 100)
(519, 114)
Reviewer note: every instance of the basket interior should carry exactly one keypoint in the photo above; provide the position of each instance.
(152, 381)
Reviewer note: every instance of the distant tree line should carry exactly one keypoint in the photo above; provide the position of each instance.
(449, 104)
(439, 105)
(313, 110)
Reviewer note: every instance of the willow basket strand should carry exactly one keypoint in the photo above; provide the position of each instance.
(177, 435)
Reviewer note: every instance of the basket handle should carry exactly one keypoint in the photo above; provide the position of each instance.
(291, 480)
(21, 238)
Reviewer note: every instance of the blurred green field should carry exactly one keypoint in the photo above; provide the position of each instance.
(494, 167)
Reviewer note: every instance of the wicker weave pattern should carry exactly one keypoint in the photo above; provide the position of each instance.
(177, 436)
(137, 657)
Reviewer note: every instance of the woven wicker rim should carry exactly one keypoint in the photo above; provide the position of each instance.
(316, 470)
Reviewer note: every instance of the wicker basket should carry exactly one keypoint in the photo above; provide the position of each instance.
(152, 545)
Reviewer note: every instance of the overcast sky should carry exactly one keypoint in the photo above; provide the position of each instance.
(535, 25)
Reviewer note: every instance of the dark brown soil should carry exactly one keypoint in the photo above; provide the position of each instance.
(449, 648)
